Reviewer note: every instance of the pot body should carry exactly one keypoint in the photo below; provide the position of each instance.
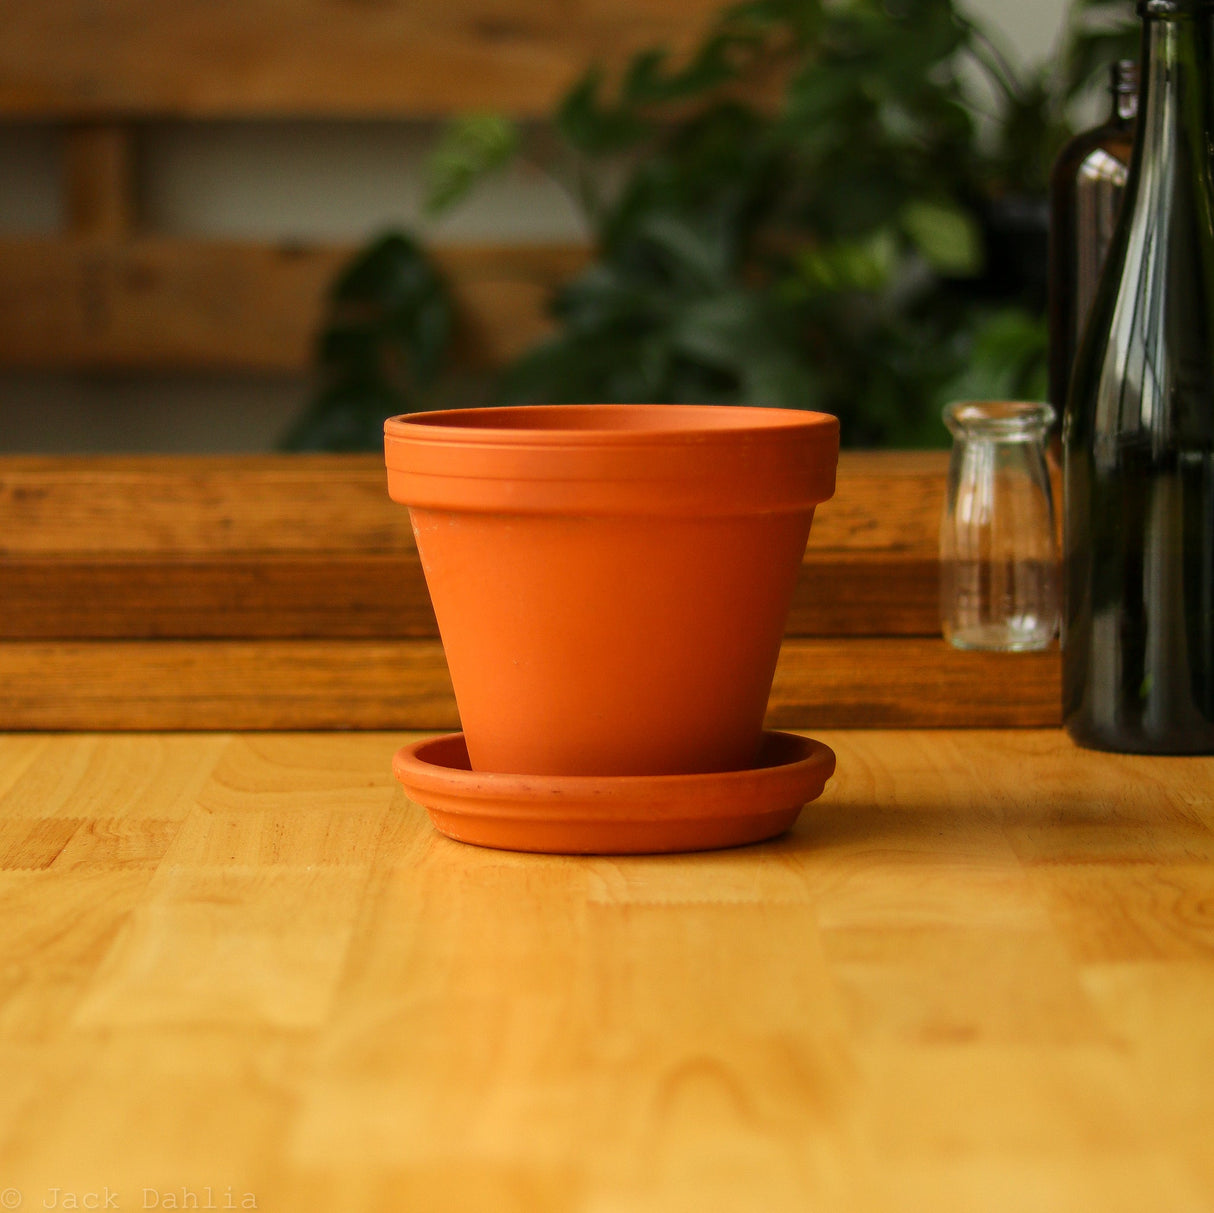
(612, 582)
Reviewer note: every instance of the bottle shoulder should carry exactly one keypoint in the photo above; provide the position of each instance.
(1115, 140)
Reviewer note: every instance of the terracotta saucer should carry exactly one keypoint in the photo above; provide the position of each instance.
(614, 815)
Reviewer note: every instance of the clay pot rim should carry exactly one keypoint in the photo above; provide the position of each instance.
(600, 459)
(612, 425)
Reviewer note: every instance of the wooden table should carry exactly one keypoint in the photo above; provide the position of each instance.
(978, 975)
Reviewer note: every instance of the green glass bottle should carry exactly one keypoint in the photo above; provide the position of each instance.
(1138, 432)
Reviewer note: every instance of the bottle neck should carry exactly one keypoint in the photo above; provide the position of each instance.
(1123, 83)
(1175, 125)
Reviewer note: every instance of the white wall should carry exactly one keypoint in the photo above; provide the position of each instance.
(331, 181)
(1030, 27)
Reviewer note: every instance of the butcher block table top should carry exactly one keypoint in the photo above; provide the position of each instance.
(241, 970)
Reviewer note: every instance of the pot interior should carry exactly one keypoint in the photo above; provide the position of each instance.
(601, 419)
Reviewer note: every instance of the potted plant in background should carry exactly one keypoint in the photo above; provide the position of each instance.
(832, 207)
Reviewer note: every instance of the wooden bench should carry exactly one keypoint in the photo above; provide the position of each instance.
(107, 293)
(271, 592)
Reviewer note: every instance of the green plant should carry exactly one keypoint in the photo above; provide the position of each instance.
(383, 347)
(803, 219)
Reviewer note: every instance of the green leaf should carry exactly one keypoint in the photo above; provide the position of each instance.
(849, 265)
(947, 236)
(470, 148)
(691, 256)
(345, 418)
(721, 330)
(387, 336)
(1006, 359)
(643, 81)
(779, 379)
(390, 273)
(392, 300)
(593, 128)
(349, 349)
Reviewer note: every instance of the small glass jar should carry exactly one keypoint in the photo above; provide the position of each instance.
(998, 546)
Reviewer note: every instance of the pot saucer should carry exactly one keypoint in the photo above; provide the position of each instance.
(635, 814)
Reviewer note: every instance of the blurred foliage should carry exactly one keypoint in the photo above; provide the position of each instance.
(800, 213)
(472, 146)
(384, 344)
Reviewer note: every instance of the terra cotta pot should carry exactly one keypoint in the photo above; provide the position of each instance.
(611, 582)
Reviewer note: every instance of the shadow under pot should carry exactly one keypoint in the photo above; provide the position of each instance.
(611, 582)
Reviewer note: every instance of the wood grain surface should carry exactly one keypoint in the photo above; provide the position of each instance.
(379, 684)
(175, 303)
(311, 546)
(108, 294)
(317, 58)
(976, 977)
(197, 505)
(286, 592)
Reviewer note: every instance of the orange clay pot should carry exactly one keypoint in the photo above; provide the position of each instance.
(611, 582)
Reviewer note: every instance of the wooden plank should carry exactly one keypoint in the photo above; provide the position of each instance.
(312, 546)
(328, 58)
(879, 682)
(179, 304)
(865, 593)
(334, 595)
(365, 684)
(100, 177)
(204, 505)
(338, 594)
(196, 505)
(224, 685)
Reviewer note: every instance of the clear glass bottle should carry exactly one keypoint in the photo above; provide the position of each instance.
(1086, 188)
(1138, 435)
(998, 548)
